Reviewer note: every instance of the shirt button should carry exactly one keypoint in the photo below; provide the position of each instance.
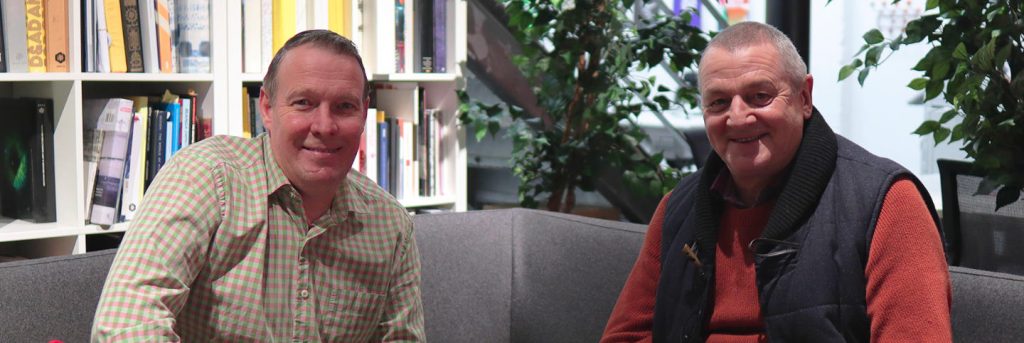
(304, 294)
(302, 259)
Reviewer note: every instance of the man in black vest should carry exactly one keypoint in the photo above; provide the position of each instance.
(790, 232)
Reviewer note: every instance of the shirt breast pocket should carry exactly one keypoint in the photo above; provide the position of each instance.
(351, 316)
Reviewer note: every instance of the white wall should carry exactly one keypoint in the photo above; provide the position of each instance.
(877, 116)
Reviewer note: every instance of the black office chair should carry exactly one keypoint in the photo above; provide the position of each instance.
(978, 236)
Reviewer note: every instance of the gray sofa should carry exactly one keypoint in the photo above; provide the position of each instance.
(488, 276)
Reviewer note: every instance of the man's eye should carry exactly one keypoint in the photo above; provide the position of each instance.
(716, 105)
(762, 99)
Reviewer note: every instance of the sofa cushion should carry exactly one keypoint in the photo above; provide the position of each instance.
(52, 298)
(519, 275)
(987, 306)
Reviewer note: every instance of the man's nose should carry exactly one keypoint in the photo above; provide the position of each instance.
(323, 121)
(739, 112)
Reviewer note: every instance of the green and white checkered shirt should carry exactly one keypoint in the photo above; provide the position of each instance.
(220, 251)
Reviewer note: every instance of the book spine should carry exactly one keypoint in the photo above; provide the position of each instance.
(56, 22)
(266, 34)
(371, 144)
(89, 37)
(284, 22)
(44, 204)
(111, 167)
(136, 165)
(147, 32)
(115, 31)
(14, 36)
(131, 25)
(440, 36)
(252, 27)
(384, 154)
(193, 36)
(399, 36)
(155, 146)
(102, 37)
(425, 35)
(163, 36)
(35, 36)
(3, 46)
(339, 18)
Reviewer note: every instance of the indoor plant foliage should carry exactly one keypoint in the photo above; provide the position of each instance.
(580, 57)
(976, 63)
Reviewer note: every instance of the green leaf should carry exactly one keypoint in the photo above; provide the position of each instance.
(1006, 196)
(985, 56)
(873, 37)
(933, 90)
(958, 133)
(481, 132)
(848, 69)
(941, 134)
(871, 58)
(940, 69)
(918, 83)
(931, 4)
(927, 127)
(863, 75)
(960, 52)
(947, 116)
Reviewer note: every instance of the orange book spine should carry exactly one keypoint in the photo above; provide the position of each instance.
(56, 22)
(163, 33)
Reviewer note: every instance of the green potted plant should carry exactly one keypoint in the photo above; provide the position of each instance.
(580, 57)
(976, 63)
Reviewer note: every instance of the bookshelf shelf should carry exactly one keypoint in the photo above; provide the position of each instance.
(415, 77)
(218, 98)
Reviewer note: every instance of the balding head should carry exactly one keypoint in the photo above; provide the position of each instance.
(747, 34)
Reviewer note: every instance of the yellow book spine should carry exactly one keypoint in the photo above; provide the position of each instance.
(36, 36)
(112, 11)
(56, 27)
(339, 17)
(284, 22)
(246, 114)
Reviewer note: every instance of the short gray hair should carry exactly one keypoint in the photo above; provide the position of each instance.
(319, 38)
(749, 33)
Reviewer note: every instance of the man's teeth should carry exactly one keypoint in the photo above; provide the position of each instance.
(750, 139)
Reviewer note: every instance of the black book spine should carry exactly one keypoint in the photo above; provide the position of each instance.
(43, 192)
(3, 47)
(425, 32)
(132, 35)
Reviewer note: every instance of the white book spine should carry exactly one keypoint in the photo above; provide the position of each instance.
(15, 40)
(110, 173)
(379, 37)
(319, 14)
(371, 144)
(252, 44)
(193, 20)
(301, 15)
(267, 34)
(147, 21)
(102, 38)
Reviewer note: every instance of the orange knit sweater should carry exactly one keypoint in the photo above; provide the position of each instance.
(908, 291)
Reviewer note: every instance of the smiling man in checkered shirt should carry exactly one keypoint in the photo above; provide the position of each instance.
(272, 238)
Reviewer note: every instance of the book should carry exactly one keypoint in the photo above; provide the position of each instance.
(115, 122)
(379, 42)
(15, 39)
(266, 33)
(193, 18)
(88, 37)
(339, 17)
(424, 47)
(147, 32)
(115, 34)
(134, 182)
(370, 150)
(27, 188)
(132, 28)
(155, 148)
(383, 153)
(103, 39)
(252, 28)
(440, 36)
(283, 22)
(247, 115)
(163, 36)
(3, 48)
(400, 26)
(35, 36)
(56, 23)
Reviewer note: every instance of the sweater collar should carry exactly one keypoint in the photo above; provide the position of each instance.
(809, 174)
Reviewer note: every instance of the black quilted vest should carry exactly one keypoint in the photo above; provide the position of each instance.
(810, 258)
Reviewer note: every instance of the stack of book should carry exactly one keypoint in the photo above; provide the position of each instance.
(148, 36)
(34, 36)
(26, 160)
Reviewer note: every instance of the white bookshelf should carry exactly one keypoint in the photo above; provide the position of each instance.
(218, 96)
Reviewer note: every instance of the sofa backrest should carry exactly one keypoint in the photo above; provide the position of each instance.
(51, 298)
(987, 306)
(519, 275)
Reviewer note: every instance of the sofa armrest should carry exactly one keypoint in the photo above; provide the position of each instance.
(52, 298)
(987, 306)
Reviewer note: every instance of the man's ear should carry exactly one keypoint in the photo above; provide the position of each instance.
(264, 104)
(805, 96)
